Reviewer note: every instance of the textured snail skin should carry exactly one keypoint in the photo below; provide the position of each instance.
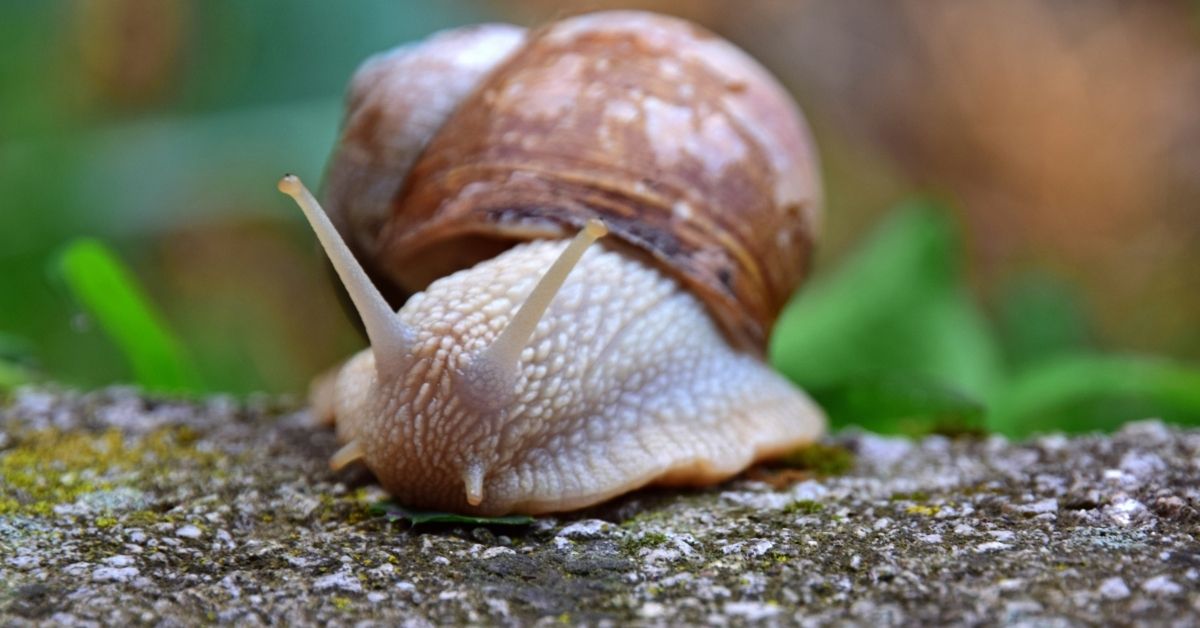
(626, 381)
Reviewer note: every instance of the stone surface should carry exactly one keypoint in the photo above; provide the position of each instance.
(115, 509)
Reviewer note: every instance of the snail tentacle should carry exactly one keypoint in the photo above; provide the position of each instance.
(473, 483)
(491, 375)
(390, 339)
(349, 453)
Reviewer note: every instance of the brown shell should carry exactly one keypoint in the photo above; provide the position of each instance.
(692, 154)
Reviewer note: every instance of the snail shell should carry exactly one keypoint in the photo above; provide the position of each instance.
(463, 164)
(684, 145)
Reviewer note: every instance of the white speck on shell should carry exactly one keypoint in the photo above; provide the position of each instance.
(558, 89)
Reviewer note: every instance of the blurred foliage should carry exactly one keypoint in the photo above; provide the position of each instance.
(897, 306)
(158, 128)
(106, 290)
(1093, 392)
(892, 341)
(1041, 317)
(901, 403)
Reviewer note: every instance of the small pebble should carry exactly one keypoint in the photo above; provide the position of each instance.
(586, 529)
(188, 532)
(114, 574)
(1114, 589)
(342, 580)
(493, 552)
(1161, 585)
(119, 560)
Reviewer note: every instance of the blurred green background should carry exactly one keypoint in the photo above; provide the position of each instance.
(1011, 243)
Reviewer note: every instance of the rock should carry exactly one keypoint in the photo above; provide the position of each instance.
(342, 581)
(114, 574)
(586, 529)
(120, 509)
(1161, 585)
(1114, 589)
(188, 532)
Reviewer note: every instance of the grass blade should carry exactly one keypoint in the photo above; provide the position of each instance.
(107, 291)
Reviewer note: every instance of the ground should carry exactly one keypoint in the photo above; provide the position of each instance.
(117, 509)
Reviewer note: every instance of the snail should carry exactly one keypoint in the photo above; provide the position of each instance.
(531, 371)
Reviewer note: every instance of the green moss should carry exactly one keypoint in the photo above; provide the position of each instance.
(915, 496)
(350, 508)
(47, 468)
(803, 506)
(341, 603)
(821, 459)
(634, 544)
(922, 510)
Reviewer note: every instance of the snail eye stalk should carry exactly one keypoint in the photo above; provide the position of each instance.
(492, 373)
(390, 339)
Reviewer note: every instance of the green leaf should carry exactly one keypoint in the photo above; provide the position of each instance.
(13, 375)
(108, 292)
(395, 512)
(900, 404)
(897, 306)
(17, 362)
(15, 349)
(1084, 393)
(1041, 317)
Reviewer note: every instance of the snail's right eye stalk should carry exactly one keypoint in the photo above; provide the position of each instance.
(491, 375)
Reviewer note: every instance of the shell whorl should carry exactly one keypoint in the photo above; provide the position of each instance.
(692, 154)
(395, 104)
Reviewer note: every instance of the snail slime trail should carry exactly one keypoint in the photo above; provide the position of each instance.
(530, 372)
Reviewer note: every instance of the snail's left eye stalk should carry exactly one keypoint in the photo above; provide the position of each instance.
(390, 339)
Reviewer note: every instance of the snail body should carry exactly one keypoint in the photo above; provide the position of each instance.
(530, 372)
